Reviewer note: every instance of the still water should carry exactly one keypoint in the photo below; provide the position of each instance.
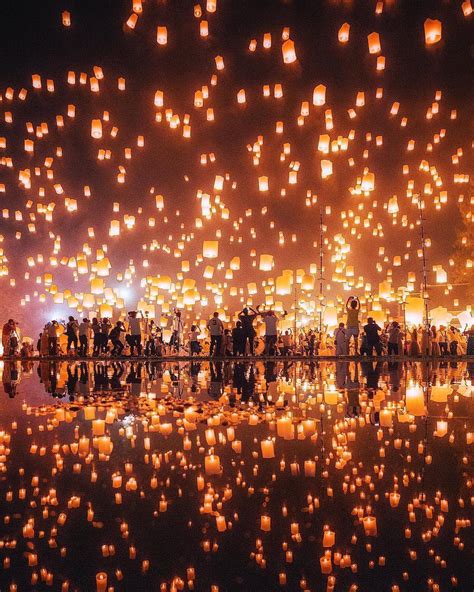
(236, 476)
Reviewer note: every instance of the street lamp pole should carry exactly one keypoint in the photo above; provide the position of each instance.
(423, 253)
(321, 277)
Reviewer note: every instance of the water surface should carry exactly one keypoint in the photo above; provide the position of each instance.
(191, 475)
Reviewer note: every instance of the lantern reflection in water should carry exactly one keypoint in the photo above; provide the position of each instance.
(137, 473)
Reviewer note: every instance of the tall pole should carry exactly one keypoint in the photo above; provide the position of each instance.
(423, 253)
(295, 297)
(321, 278)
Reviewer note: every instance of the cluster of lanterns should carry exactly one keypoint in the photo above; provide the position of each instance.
(201, 462)
(197, 253)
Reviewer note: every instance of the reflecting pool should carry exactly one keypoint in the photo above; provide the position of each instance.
(248, 476)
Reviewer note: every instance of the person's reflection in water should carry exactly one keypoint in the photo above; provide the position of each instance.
(101, 380)
(312, 370)
(134, 378)
(72, 380)
(248, 383)
(216, 383)
(83, 386)
(286, 370)
(238, 377)
(194, 370)
(470, 370)
(353, 408)
(270, 376)
(117, 373)
(371, 372)
(394, 376)
(11, 378)
(53, 379)
(342, 369)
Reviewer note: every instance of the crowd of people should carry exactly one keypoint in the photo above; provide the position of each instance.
(139, 336)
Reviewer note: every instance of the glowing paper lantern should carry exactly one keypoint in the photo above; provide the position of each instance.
(343, 33)
(161, 35)
(263, 183)
(96, 129)
(373, 41)
(414, 310)
(266, 263)
(210, 249)
(319, 95)
(288, 50)
(433, 31)
(326, 169)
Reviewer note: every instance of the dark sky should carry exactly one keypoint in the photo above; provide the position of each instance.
(33, 40)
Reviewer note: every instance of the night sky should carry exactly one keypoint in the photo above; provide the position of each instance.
(34, 41)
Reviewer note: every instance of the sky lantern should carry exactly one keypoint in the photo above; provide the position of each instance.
(96, 129)
(373, 41)
(414, 310)
(326, 168)
(132, 21)
(319, 95)
(66, 18)
(288, 51)
(433, 31)
(211, 5)
(210, 249)
(161, 35)
(343, 33)
(266, 263)
(263, 183)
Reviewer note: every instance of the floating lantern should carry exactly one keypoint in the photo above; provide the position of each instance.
(373, 41)
(433, 31)
(288, 51)
(161, 35)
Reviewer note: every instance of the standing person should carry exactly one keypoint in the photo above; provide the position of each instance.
(176, 340)
(135, 328)
(44, 342)
(443, 340)
(105, 326)
(238, 340)
(53, 338)
(470, 341)
(453, 340)
(352, 322)
(84, 335)
(271, 321)
(9, 335)
(426, 341)
(341, 340)
(72, 334)
(194, 346)
(216, 330)
(150, 335)
(414, 349)
(287, 341)
(227, 343)
(434, 342)
(394, 337)
(247, 325)
(96, 336)
(373, 338)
